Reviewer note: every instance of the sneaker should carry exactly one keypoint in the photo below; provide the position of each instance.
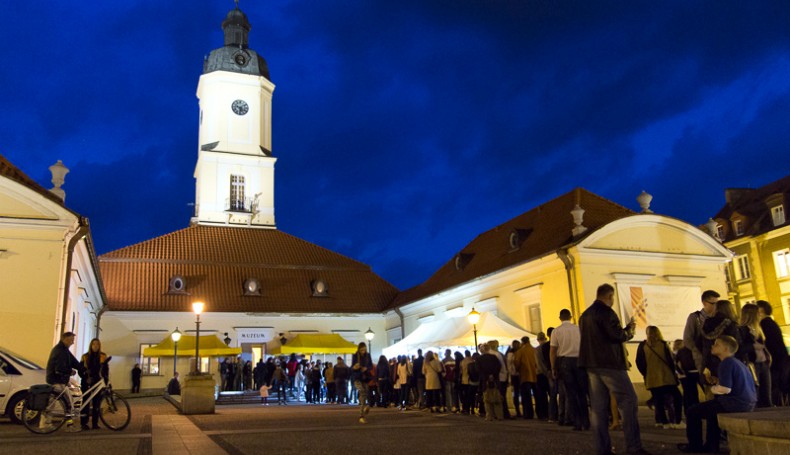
(679, 426)
(362, 420)
(659, 425)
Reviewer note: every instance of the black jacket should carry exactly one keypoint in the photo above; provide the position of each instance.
(774, 342)
(602, 338)
(489, 366)
(61, 362)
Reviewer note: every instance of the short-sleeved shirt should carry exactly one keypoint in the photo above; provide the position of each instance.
(566, 338)
(735, 375)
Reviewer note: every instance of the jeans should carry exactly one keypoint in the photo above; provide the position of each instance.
(709, 411)
(341, 388)
(662, 396)
(451, 397)
(503, 394)
(575, 381)
(553, 404)
(403, 395)
(514, 379)
(527, 389)
(602, 382)
(420, 402)
(763, 372)
(542, 397)
(690, 390)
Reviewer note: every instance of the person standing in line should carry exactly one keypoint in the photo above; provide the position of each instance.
(734, 391)
(602, 354)
(419, 379)
(752, 351)
(526, 362)
(342, 374)
(542, 388)
(503, 377)
(556, 407)
(467, 389)
(692, 333)
(512, 372)
(290, 369)
(361, 364)
(224, 373)
(564, 352)
(432, 370)
(137, 374)
(329, 379)
(95, 369)
(402, 382)
(383, 380)
(780, 361)
(280, 382)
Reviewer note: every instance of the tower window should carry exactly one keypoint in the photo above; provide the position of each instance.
(237, 192)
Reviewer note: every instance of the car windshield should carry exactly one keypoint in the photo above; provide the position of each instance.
(21, 360)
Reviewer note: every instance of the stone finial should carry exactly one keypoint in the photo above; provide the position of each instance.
(644, 200)
(59, 172)
(578, 219)
(713, 229)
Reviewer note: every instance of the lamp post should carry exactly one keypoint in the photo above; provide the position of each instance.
(197, 307)
(227, 339)
(369, 336)
(175, 336)
(474, 317)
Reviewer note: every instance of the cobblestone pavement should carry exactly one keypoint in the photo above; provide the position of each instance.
(250, 429)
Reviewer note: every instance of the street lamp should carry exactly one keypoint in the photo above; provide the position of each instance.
(227, 339)
(175, 336)
(197, 307)
(474, 317)
(369, 336)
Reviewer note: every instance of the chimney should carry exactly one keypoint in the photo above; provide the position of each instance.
(59, 172)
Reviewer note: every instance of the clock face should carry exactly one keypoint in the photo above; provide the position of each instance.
(241, 58)
(240, 107)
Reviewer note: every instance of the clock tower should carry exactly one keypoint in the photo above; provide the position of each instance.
(235, 168)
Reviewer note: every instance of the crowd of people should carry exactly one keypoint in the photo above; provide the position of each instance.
(577, 375)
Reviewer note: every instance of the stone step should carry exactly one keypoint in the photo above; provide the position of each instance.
(246, 397)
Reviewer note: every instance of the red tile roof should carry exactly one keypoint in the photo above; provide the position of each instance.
(215, 262)
(547, 228)
(12, 172)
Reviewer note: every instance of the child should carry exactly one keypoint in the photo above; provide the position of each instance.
(265, 394)
(493, 400)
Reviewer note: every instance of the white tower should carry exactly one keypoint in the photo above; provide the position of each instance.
(235, 168)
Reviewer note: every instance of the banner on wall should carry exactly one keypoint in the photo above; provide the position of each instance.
(666, 307)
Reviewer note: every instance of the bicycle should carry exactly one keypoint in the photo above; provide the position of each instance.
(65, 405)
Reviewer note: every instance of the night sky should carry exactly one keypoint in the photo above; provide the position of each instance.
(404, 128)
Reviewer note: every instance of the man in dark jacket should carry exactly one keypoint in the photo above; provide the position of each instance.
(602, 353)
(62, 361)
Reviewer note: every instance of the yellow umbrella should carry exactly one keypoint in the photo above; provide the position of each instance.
(210, 346)
(315, 344)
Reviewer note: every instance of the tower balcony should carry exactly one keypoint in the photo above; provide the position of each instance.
(239, 205)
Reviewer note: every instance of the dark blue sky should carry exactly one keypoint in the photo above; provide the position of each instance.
(403, 129)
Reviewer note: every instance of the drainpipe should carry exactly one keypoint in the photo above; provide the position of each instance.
(567, 259)
(79, 234)
(402, 329)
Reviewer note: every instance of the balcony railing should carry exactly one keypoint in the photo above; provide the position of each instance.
(239, 205)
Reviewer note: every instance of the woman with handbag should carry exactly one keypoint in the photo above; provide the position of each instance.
(361, 373)
(654, 361)
(753, 353)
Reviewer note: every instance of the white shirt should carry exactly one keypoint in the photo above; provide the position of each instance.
(566, 338)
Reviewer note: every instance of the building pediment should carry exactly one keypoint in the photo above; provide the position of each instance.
(653, 234)
(17, 201)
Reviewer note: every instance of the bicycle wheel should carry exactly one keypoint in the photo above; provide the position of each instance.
(114, 411)
(48, 420)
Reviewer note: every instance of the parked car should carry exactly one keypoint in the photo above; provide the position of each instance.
(17, 374)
